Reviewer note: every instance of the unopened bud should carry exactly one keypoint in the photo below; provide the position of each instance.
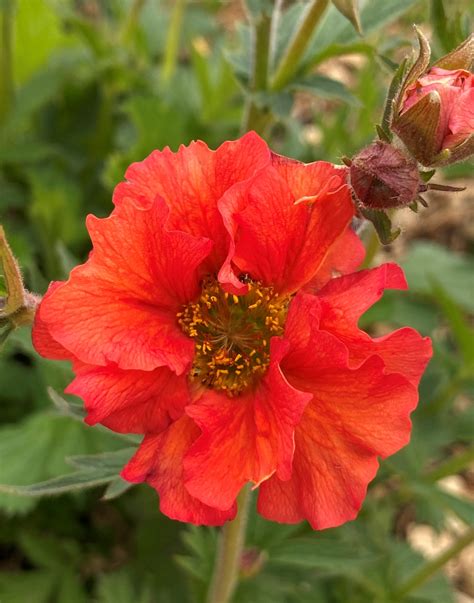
(433, 110)
(383, 177)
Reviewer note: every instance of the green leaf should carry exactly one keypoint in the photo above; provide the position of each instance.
(31, 586)
(72, 482)
(326, 87)
(120, 587)
(47, 552)
(116, 488)
(38, 33)
(454, 272)
(330, 556)
(462, 331)
(106, 461)
(335, 29)
(64, 407)
(34, 451)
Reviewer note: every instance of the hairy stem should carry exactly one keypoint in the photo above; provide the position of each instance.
(232, 539)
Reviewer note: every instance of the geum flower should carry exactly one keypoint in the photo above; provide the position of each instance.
(207, 318)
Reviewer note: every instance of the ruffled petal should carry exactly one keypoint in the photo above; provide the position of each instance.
(280, 236)
(344, 300)
(355, 416)
(351, 295)
(159, 461)
(130, 401)
(192, 181)
(120, 306)
(43, 341)
(344, 257)
(243, 439)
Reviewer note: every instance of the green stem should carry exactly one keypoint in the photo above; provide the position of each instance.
(256, 118)
(453, 465)
(6, 59)
(172, 41)
(296, 48)
(431, 567)
(132, 20)
(227, 565)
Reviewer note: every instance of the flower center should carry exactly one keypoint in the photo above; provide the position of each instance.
(232, 334)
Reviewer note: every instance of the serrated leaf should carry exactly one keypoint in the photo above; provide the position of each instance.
(72, 482)
(116, 488)
(106, 461)
(76, 411)
(66, 408)
(34, 451)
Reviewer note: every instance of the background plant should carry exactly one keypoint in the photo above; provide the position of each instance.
(89, 86)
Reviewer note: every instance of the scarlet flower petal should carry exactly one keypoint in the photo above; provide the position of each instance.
(314, 181)
(343, 300)
(43, 341)
(276, 240)
(130, 401)
(120, 306)
(192, 181)
(243, 439)
(354, 416)
(345, 256)
(159, 461)
(351, 295)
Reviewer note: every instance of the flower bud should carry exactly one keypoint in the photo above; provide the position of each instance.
(434, 111)
(383, 177)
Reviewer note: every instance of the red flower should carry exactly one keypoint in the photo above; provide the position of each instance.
(437, 114)
(206, 318)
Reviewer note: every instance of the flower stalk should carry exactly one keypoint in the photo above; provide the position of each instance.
(255, 118)
(227, 565)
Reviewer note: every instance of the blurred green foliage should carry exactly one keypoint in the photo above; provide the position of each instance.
(97, 85)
